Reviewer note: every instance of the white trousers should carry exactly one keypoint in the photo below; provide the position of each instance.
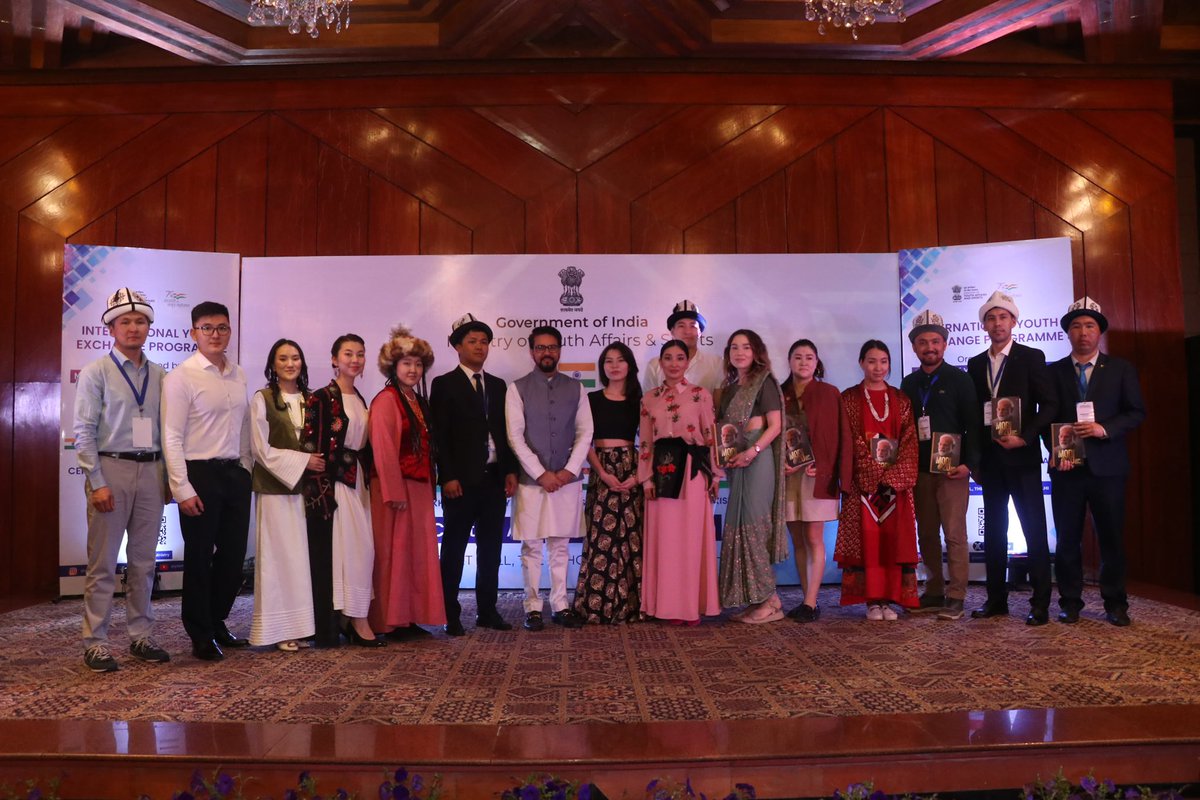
(531, 568)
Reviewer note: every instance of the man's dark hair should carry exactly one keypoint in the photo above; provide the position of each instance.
(545, 330)
(209, 308)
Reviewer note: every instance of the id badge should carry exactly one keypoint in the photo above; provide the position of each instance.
(987, 414)
(924, 432)
(1085, 411)
(143, 433)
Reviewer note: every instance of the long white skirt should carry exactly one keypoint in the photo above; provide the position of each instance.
(283, 608)
(353, 549)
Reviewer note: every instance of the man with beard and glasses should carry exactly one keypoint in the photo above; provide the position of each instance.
(944, 401)
(549, 424)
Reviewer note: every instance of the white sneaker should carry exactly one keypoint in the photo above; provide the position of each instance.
(889, 613)
(875, 612)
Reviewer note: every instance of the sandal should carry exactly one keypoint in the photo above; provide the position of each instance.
(290, 646)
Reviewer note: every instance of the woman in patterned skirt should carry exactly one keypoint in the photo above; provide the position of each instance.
(877, 529)
(610, 574)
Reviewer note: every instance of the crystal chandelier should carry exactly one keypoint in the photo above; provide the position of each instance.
(301, 13)
(852, 14)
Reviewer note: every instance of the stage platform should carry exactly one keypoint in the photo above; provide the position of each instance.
(795, 710)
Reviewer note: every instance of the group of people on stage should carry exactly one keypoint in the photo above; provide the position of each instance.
(346, 538)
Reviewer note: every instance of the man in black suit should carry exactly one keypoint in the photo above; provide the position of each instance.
(1011, 466)
(476, 469)
(1104, 392)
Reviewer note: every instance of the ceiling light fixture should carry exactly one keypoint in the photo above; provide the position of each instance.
(301, 14)
(852, 14)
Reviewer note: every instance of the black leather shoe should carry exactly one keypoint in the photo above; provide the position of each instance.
(455, 628)
(496, 623)
(207, 651)
(567, 618)
(1120, 618)
(1068, 617)
(533, 621)
(1037, 618)
(805, 613)
(990, 609)
(226, 639)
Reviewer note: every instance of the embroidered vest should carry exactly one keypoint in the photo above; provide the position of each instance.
(281, 434)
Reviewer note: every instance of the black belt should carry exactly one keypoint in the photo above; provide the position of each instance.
(218, 462)
(140, 456)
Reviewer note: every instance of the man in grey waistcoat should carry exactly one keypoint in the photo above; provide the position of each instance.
(549, 425)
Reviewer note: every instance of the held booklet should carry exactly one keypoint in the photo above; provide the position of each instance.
(946, 453)
(1068, 448)
(1003, 415)
(885, 450)
(797, 449)
(731, 440)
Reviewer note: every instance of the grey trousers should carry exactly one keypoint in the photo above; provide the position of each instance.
(138, 491)
(941, 505)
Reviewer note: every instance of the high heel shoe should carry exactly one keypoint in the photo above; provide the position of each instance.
(354, 638)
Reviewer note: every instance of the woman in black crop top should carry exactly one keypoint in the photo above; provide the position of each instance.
(609, 588)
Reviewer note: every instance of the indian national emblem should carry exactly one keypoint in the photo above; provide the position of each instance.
(571, 278)
(956, 293)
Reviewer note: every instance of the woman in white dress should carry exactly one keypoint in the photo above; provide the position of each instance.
(341, 546)
(283, 610)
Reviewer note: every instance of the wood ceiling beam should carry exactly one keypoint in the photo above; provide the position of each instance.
(183, 27)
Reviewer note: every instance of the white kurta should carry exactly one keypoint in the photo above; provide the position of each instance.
(538, 514)
(283, 608)
(353, 545)
(703, 370)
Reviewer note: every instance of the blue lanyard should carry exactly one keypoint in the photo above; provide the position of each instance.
(994, 383)
(139, 397)
(925, 394)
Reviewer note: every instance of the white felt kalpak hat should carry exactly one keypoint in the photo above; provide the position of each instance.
(126, 301)
(999, 300)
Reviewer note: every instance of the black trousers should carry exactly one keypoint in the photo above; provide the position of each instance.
(320, 567)
(1072, 493)
(1024, 485)
(214, 545)
(482, 508)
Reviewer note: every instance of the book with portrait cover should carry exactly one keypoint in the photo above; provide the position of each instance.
(946, 453)
(885, 450)
(731, 440)
(797, 449)
(1005, 417)
(1068, 448)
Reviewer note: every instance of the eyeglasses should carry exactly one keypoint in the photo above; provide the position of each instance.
(209, 330)
(546, 348)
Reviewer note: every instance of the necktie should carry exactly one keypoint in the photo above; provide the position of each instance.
(479, 391)
(1083, 379)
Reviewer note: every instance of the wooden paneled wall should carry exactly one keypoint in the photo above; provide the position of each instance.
(620, 163)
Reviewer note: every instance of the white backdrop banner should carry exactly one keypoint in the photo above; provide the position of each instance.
(838, 301)
(173, 281)
(954, 282)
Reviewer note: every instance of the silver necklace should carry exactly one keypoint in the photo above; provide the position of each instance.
(887, 404)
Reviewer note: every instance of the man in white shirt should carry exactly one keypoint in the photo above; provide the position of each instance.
(549, 424)
(686, 324)
(206, 441)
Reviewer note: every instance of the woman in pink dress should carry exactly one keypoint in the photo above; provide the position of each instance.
(679, 565)
(407, 578)
(877, 529)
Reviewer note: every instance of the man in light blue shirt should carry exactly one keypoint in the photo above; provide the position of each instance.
(119, 449)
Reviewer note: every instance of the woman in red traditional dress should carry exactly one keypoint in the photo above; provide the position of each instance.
(877, 529)
(407, 578)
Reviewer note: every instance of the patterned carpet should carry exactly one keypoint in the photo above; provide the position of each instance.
(841, 665)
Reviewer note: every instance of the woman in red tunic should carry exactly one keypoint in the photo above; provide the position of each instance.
(407, 579)
(877, 530)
